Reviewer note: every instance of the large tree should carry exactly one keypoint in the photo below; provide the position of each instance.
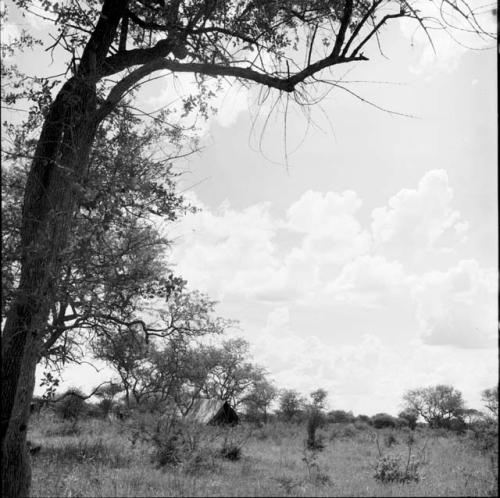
(165, 364)
(437, 405)
(115, 255)
(291, 403)
(230, 373)
(259, 399)
(113, 46)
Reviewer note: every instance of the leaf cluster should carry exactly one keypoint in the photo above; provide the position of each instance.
(115, 253)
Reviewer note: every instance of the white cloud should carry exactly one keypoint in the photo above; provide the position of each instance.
(368, 375)
(332, 232)
(333, 260)
(369, 281)
(231, 102)
(226, 250)
(458, 306)
(418, 218)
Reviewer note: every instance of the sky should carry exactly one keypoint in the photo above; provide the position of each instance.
(356, 247)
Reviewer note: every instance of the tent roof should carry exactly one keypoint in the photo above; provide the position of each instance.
(205, 410)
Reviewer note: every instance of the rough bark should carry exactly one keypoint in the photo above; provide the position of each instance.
(49, 205)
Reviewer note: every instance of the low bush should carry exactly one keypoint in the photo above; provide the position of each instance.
(382, 420)
(233, 442)
(343, 431)
(410, 416)
(71, 406)
(392, 468)
(484, 435)
(401, 423)
(105, 407)
(231, 451)
(361, 426)
(457, 425)
(315, 475)
(364, 418)
(390, 439)
(340, 417)
(167, 449)
(201, 460)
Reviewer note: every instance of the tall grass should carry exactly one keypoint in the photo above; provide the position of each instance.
(101, 459)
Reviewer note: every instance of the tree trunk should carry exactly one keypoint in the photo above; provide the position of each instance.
(49, 204)
(50, 200)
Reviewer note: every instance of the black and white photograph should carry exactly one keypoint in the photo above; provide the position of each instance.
(249, 248)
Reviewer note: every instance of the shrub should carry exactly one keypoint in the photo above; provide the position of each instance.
(71, 406)
(105, 407)
(411, 417)
(364, 418)
(167, 450)
(381, 420)
(361, 426)
(340, 416)
(315, 474)
(291, 405)
(233, 443)
(201, 460)
(390, 439)
(391, 468)
(401, 423)
(315, 420)
(346, 431)
(93, 410)
(168, 440)
(441, 432)
(230, 451)
(457, 425)
(484, 435)
(166, 434)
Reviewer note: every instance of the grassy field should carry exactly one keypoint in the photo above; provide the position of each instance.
(98, 457)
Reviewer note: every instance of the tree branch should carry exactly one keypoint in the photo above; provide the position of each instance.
(344, 24)
(361, 23)
(375, 30)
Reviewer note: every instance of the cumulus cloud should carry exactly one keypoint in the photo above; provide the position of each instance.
(368, 375)
(225, 250)
(333, 260)
(231, 102)
(418, 218)
(369, 281)
(332, 234)
(458, 306)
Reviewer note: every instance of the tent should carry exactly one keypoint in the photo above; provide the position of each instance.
(212, 412)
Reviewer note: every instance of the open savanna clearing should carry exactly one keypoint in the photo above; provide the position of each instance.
(98, 457)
